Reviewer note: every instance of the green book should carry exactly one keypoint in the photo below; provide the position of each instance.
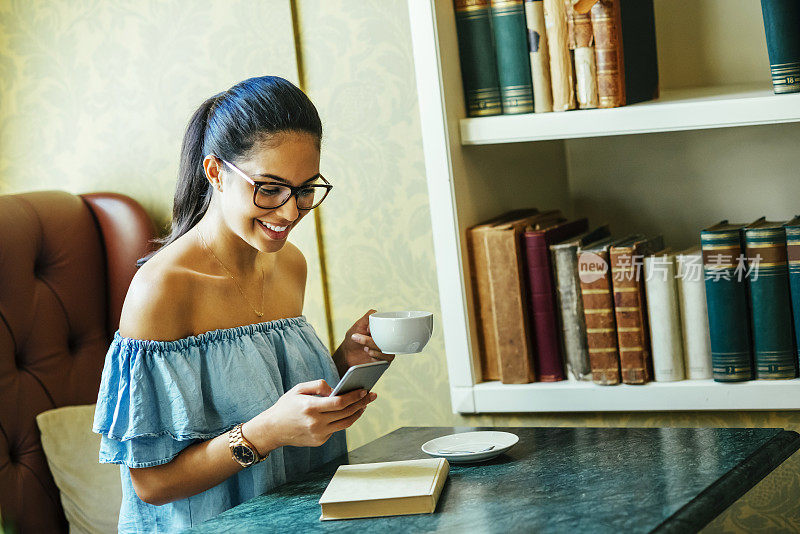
(770, 300)
(513, 61)
(727, 300)
(782, 32)
(793, 261)
(477, 57)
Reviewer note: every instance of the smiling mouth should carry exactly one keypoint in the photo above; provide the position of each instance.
(273, 231)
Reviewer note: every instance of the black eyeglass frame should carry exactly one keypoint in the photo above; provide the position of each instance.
(327, 186)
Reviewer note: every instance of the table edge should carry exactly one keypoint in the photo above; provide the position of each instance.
(712, 501)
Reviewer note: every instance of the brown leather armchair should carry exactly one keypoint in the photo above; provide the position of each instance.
(66, 262)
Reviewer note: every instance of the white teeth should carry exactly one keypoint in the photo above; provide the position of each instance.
(273, 227)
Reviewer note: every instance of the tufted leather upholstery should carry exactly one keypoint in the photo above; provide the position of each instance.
(65, 265)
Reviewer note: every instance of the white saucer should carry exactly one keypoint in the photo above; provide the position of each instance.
(470, 441)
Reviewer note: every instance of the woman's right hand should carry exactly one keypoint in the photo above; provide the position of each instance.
(302, 419)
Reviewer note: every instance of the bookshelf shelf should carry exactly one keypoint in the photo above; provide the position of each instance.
(686, 395)
(591, 163)
(677, 109)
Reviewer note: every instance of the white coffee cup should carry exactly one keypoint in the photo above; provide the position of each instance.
(401, 332)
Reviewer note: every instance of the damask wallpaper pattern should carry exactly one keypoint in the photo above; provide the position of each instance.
(95, 95)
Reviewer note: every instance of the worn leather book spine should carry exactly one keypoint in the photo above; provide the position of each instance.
(561, 74)
(793, 260)
(694, 314)
(564, 256)
(477, 58)
(539, 55)
(513, 60)
(541, 292)
(727, 302)
(664, 317)
(630, 308)
(598, 312)
(570, 307)
(770, 301)
(582, 46)
(607, 29)
(512, 334)
(782, 30)
(483, 309)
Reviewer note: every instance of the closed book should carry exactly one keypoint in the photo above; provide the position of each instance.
(512, 332)
(727, 302)
(513, 60)
(630, 307)
(539, 55)
(541, 294)
(384, 488)
(564, 256)
(477, 58)
(562, 79)
(598, 310)
(483, 308)
(793, 259)
(694, 314)
(782, 30)
(581, 43)
(770, 300)
(664, 317)
(625, 50)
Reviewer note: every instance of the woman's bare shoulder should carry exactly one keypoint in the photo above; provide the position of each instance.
(159, 299)
(294, 260)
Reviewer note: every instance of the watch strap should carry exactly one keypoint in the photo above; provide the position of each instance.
(236, 438)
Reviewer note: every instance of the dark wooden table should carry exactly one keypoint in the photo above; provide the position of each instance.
(553, 480)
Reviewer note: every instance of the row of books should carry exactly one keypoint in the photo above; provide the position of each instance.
(525, 56)
(555, 300)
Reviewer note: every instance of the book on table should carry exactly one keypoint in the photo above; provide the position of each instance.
(384, 488)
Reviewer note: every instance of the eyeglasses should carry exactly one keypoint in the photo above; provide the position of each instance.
(271, 195)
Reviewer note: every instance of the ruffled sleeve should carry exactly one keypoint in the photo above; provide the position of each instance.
(145, 405)
(158, 397)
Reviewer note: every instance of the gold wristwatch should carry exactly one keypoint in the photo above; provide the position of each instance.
(242, 450)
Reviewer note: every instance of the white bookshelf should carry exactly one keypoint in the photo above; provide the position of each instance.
(685, 395)
(479, 167)
(675, 110)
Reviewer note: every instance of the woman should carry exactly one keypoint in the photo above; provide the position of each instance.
(215, 387)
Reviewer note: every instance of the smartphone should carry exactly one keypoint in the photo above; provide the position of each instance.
(363, 376)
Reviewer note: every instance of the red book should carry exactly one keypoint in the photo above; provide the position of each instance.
(542, 305)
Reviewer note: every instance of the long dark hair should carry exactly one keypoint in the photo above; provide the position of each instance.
(227, 125)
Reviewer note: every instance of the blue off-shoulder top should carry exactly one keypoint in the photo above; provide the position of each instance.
(158, 397)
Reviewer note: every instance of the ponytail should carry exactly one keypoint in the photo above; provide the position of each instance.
(227, 125)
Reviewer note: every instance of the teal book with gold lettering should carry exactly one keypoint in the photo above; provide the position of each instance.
(513, 60)
(478, 59)
(793, 261)
(727, 300)
(770, 300)
(782, 31)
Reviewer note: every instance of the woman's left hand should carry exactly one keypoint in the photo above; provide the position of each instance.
(358, 346)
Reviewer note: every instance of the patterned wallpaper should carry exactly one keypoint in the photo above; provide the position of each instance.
(95, 95)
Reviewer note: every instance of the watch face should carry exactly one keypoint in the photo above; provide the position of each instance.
(243, 454)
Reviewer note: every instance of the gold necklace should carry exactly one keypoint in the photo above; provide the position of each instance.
(230, 274)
